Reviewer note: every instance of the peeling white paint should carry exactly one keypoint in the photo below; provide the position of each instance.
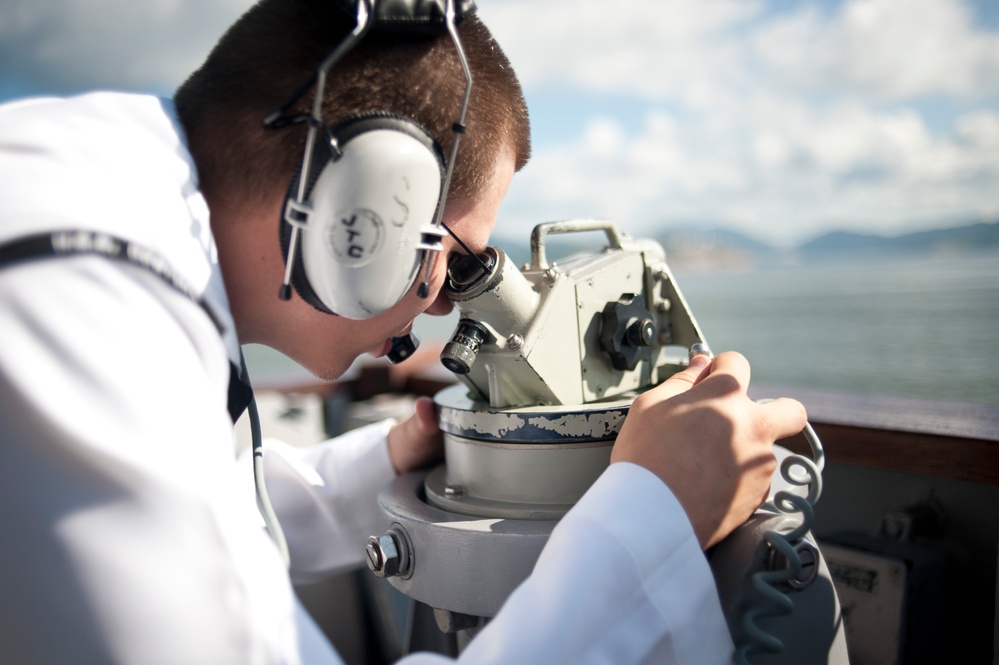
(483, 422)
(595, 425)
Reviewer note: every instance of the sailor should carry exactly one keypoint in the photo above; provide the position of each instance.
(143, 240)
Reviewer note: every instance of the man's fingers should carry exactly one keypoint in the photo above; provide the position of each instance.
(683, 381)
(786, 416)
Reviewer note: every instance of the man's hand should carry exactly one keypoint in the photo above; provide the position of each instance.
(416, 441)
(709, 442)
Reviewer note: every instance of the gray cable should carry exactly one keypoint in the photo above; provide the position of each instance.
(768, 583)
(263, 500)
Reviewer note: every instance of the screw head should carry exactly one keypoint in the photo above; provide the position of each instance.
(454, 491)
(641, 332)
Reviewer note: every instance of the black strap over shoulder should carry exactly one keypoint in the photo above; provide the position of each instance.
(240, 390)
(74, 242)
(412, 16)
(79, 242)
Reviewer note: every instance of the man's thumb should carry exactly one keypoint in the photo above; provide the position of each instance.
(426, 416)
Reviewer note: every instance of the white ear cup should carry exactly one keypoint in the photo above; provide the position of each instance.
(370, 207)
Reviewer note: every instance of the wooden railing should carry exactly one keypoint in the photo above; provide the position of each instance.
(930, 437)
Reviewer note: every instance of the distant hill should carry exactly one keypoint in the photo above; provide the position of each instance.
(714, 249)
(972, 238)
(694, 240)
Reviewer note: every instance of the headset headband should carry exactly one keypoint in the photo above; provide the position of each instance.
(412, 16)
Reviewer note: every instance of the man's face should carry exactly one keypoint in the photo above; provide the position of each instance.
(328, 345)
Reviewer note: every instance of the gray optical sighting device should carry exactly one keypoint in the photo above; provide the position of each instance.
(549, 358)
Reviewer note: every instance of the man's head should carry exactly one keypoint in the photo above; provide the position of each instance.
(245, 169)
(276, 46)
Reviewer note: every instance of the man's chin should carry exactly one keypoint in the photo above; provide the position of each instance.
(328, 372)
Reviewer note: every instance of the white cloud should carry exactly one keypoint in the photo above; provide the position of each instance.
(654, 48)
(779, 175)
(883, 50)
(779, 120)
(980, 128)
(67, 46)
(694, 49)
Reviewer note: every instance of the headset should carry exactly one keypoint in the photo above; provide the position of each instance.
(363, 214)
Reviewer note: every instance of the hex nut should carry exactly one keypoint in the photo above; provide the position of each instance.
(383, 555)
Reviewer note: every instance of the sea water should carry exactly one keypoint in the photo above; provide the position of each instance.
(923, 327)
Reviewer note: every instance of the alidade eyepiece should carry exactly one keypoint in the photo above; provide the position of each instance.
(466, 277)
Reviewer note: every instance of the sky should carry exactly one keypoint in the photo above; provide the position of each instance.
(781, 119)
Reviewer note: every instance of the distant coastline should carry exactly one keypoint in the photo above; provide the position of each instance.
(702, 249)
(695, 250)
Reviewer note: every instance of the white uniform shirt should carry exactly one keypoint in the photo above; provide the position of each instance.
(126, 536)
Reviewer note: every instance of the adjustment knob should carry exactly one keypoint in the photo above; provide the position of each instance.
(627, 332)
(459, 354)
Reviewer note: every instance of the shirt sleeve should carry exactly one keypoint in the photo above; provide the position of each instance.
(325, 498)
(124, 535)
(622, 580)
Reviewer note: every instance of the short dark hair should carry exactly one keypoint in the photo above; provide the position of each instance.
(275, 47)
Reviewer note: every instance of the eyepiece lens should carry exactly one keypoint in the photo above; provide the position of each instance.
(464, 271)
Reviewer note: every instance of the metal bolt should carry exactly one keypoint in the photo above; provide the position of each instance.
(388, 555)
(551, 274)
(664, 305)
(383, 556)
(641, 332)
(454, 491)
(514, 342)
(374, 554)
(809, 558)
(661, 272)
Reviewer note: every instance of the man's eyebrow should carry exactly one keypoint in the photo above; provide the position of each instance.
(465, 247)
